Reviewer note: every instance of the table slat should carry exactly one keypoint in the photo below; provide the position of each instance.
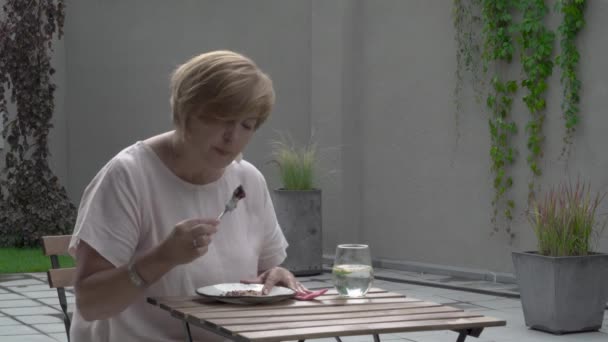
(324, 316)
(373, 292)
(288, 304)
(301, 311)
(349, 321)
(375, 328)
(190, 302)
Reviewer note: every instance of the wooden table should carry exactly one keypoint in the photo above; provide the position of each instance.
(380, 312)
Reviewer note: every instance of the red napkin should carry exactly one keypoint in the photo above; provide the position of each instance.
(310, 296)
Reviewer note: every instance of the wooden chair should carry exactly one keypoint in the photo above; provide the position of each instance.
(59, 278)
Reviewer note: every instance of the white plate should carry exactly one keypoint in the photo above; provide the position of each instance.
(218, 292)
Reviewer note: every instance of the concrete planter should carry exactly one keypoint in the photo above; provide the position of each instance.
(299, 214)
(562, 294)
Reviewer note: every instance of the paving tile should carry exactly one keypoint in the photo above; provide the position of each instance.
(429, 298)
(36, 319)
(17, 303)
(29, 288)
(16, 330)
(492, 286)
(391, 286)
(36, 274)
(7, 321)
(434, 290)
(34, 310)
(3, 291)
(10, 296)
(50, 327)
(19, 282)
(61, 337)
(41, 294)
(503, 303)
(395, 274)
(434, 277)
(13, 276)
(27, 338)
(55, 301)
(388, 337)
(369, 338)
(466, 306)
(468, 296)
(511, 319)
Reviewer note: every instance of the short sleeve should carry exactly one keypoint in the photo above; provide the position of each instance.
(108, 216)
(274, 244)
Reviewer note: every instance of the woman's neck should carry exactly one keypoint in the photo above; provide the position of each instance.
(182, 161)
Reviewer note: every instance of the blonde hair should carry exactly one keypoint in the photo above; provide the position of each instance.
(220, 84)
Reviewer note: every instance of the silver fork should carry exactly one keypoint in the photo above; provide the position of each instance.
(238, 194)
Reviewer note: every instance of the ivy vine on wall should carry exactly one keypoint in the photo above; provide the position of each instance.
(535, 43)
(467, 21)
(499, 49)
(572, 22)
(32, 202)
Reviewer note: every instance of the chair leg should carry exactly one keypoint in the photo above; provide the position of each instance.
(64, 307)
(338, 339)
(188, 333)
(376, 338)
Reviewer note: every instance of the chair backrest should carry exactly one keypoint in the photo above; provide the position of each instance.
(53, 247)
(59, 278)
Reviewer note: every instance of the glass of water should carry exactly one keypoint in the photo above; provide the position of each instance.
(352, 272)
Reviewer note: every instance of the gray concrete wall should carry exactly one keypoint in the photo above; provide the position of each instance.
(371, 81)
(120, 55)
(426, 185)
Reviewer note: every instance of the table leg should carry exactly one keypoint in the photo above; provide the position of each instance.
(462, 334)
(188, 333)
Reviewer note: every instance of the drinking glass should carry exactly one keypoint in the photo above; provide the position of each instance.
(352, 272)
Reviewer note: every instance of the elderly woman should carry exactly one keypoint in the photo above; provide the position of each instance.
(147, 222)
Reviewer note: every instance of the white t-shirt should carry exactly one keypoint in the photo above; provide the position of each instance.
(133, 204)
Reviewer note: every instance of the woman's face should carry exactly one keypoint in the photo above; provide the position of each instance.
(218, 141)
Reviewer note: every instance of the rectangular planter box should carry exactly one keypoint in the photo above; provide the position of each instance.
(562, 294)
(299, 215)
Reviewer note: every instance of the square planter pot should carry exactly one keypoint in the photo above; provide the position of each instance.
(562, 294)
(299, 215)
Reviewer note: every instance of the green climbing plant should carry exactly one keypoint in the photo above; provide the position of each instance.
(573, 21)
(502, 154)
(498, 49)
(467, 23)
(536, 42)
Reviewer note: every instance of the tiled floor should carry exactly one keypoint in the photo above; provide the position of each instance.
(29, 310)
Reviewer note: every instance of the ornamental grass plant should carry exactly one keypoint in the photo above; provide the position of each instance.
(296, 165)
(566, 220)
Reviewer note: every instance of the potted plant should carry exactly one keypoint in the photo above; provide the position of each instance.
(564, 285)
(298, 206)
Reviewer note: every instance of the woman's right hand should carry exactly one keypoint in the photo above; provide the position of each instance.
(189, 240)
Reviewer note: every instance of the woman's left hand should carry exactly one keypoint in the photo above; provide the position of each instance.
(277, 276)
